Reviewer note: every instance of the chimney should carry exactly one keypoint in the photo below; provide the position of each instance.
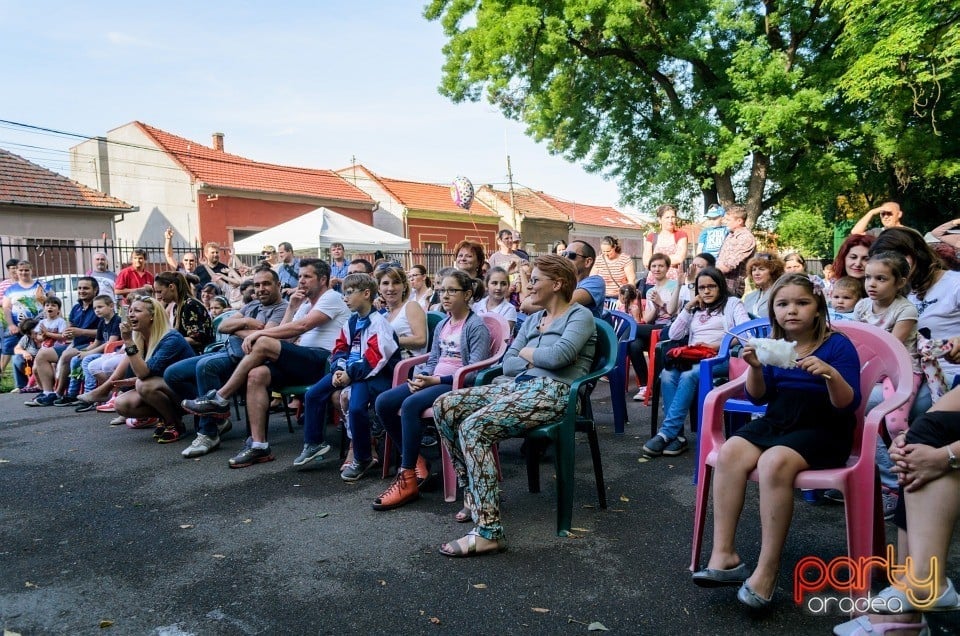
(218, 141)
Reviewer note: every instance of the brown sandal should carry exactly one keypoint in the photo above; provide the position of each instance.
(455, 549)
(464, 516)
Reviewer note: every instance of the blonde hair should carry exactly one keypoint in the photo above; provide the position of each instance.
(158, 329)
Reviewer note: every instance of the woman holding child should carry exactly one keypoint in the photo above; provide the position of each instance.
(554, 347)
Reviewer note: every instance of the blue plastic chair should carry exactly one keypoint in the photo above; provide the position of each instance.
(625, 328)
(759, 328)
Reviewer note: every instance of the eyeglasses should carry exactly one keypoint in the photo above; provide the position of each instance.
(707, 287)
(449, 291)
(886, 213)
(534, 281)
(573, 255)
(267, 253)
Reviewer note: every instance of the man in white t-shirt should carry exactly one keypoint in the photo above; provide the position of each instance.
(314, 318)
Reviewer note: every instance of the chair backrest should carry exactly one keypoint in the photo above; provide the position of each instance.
(881, 356)
(222, 337)
(756, 328)
(607, 347)
(499, 330)
(623, 324)
(113, 345)
(610, 303)
(433, 319)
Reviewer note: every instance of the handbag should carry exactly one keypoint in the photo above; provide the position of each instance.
(683, 358)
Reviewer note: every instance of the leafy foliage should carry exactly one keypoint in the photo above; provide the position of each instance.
(806, 232)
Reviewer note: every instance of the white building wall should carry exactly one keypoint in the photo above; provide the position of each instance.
(389, 216)
(138, 172)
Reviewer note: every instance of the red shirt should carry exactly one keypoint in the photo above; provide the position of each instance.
(129, 278)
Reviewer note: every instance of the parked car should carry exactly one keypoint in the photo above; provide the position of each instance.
(64, 287)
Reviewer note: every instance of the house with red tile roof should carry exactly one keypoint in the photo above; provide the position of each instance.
(203, 192)
(39, 206)
(540, 224)
(591, 223)
(425, 213)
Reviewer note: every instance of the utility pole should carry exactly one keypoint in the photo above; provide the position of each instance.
(513, 210)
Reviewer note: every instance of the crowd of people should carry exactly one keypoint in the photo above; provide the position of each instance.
(140, 345)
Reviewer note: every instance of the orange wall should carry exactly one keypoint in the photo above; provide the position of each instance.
(222, 214)
(421, 231)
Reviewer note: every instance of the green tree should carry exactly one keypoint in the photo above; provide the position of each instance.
(807, 232)
(735, 100)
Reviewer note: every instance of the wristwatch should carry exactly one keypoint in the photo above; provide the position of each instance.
(131, 350)
(952, 460)
(690, 285)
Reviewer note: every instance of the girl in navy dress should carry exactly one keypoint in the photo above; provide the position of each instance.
(809, 423)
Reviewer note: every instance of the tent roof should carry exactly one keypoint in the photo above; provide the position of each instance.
(321, 227)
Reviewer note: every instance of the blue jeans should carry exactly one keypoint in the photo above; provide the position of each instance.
(195, 376)
(362, 395)
(19, 363)
(399, 410)
(680, 389)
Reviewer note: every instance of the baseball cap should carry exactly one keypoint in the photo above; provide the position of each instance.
(268, 249)
(715, 212)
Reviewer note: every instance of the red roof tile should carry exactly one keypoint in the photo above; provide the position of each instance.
(592, 214)
(25, 183)
(428, 197)
(222, 169)
(530, 205)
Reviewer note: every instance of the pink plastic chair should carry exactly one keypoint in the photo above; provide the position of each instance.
(499, 341)
(881, 355)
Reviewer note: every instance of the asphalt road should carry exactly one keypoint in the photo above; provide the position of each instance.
(100, 525)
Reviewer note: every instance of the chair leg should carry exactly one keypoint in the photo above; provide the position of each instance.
(700, 515)
(533, 466)
(449, 475)
(565, 465)
(654, 405)
(387, 455)
(597, 467)
(285, 399)
(618, 396)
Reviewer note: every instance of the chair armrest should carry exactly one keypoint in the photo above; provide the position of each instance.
(487, 375)
(401, 372)
(873, 420)
(460, 376)
(711, 415)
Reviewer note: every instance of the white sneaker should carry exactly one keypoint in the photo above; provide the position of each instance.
(640, 394)
(201, 446)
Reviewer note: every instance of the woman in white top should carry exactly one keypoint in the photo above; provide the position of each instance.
(407, 317)
(935, 292)
(497, 283)
(421, 289)
(668, 241)
(764, 269)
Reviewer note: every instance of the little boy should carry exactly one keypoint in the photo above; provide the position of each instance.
(108, 330)
(52, 325)
(24, 352)
(713, 233)
(844, 296)
(363, 359)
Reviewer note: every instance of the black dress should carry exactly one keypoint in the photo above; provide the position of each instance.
(799, 413)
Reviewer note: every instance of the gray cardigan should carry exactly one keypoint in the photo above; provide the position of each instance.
(474, 346)
(564, 351)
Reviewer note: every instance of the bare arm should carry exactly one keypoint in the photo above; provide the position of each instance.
(417, 318)
(864, 222)
(168, 249)
(680, 253)
(647, 252)
(630, 271)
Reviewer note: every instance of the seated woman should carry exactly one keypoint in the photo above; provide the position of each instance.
(185, 313)
(711, 313)
(554, 347)
(764, 270)
(460, 339)
(661, 305)
(928, 470)
(404, 314)
(151, 346)
(809, 423)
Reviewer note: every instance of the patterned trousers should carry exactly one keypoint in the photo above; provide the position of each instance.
(472, 420)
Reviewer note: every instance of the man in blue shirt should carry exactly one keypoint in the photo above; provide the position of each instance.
(288, 269)
(590, 289)
(339, 266)
(82, 331)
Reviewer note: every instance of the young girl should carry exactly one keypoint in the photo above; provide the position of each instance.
(661, 305)
(218, 305)
(496, 302)
(629, 302)
(461, 338)
(809, 423)
(886, 307)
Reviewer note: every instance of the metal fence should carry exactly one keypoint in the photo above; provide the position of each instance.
(57, 257)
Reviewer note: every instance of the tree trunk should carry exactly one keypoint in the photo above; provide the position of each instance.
(758, 180)
(723, 183)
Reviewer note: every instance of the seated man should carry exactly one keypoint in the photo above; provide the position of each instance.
(82, 330)
(314, 317)
(363, 359)
(199, 375)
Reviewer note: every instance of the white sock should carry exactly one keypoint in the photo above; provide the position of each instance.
(259, 445)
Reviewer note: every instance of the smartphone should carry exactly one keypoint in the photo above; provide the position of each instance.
(124, 313)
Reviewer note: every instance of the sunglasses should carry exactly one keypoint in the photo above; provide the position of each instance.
(573, 255)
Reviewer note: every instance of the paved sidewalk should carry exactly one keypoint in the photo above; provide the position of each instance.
(99, 523)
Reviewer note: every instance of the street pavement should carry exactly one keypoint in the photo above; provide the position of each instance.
(103, 530)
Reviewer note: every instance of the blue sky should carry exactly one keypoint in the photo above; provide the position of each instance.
(298, 83)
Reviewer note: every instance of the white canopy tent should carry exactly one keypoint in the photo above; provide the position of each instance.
(318, 229)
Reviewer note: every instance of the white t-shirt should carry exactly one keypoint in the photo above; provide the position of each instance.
(899, 309)
(505, 309)
(940, 313)
(331, 305)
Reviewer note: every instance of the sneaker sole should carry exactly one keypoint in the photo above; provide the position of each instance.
(223, 414)
(673, 453)
(358, 477)
(258, 460)
(179, 438)
(74, 403)
(205, 451)
(649, 453)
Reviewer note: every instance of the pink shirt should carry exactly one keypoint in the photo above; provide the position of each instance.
(450, 356)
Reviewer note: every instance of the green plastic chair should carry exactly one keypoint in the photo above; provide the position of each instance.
(578, 417)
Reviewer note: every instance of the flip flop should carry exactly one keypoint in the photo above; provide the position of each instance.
(861, 626)
(454, 549)
(464, 516)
